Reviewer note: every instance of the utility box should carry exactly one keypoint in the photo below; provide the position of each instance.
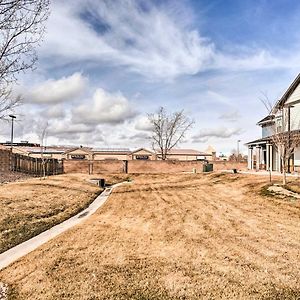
(208, 168)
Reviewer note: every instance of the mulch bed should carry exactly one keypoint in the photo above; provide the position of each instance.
(12, 176)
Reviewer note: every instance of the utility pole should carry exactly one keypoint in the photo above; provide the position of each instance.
(12, 130)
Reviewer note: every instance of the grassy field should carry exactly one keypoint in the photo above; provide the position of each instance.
(34, 205)
(190, 236)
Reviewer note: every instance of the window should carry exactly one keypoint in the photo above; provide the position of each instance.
(78, 156)
(279, 124)
(142, 157)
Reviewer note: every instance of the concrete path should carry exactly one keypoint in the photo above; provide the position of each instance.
(11, 255)
(260, 173)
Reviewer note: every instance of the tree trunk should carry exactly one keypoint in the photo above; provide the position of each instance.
(283, 172)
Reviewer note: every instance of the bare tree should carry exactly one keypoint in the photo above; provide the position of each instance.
(21, 30)
(282, 137)
(235, 156)
(168, 130)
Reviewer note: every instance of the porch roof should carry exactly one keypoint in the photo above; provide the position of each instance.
(258, 141)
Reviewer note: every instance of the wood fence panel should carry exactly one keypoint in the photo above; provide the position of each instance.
(35, 166)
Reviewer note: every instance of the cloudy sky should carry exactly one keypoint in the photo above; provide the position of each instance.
(104, 65)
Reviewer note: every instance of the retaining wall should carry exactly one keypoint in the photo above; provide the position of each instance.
(229, 165)
(144, 166)
(168, 166)
(5, 156)
(94, 167)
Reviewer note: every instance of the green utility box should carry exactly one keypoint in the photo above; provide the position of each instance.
(208, 168)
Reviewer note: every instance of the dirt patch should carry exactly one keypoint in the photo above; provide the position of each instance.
(172, 237)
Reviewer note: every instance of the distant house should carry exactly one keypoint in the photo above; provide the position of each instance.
(47, 152)
(143, 154)
(87, 153)
(81, 153)
(262, 154)
(139, 154)
(186, 154)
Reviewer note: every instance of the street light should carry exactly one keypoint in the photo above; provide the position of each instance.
(12, 130)
(238, 150)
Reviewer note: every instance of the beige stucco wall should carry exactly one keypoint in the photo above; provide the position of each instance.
(113, 156)
(78, 152)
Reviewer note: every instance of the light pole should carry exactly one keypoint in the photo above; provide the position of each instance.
(238, 150)
(12, 130)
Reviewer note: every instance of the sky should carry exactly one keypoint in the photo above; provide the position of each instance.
(104, 65)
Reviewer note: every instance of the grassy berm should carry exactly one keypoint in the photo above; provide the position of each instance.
(34, 205)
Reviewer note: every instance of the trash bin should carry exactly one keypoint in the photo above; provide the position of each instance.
(208, 168)
(101, 182)
(234, 171)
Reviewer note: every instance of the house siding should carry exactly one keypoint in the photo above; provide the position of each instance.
(295, 96)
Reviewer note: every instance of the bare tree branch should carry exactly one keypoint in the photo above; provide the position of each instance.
(168, 130)
(21, 30)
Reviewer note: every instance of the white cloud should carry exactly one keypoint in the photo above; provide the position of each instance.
(152, 41)
(155, 41)
(104, 108)
(57, 91)
(143, 123)
(232, 116)
(220, 132)
(65, 128)
(54, 112)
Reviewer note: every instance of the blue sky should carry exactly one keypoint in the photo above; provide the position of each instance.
(103, 65)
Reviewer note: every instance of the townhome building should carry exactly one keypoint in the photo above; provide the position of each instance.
(284, 118)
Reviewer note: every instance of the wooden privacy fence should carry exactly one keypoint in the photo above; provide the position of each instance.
(36, 166)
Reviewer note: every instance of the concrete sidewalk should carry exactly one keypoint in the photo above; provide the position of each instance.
(260, 173)
(11, 255)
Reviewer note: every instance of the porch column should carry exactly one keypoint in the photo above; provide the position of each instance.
(267, 157)
(257, 157)
(250, 158)
(271, 157)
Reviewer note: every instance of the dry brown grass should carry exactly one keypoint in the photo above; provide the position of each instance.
(34, 205)
(172, 237)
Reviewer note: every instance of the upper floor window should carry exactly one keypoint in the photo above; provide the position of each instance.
(279, 127)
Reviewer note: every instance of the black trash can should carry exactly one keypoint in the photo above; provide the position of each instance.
(101, 182)
(208, 167)
(234, 171)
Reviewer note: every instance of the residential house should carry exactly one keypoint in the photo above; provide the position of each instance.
(37, 152)
(82, 153)
(284, 118)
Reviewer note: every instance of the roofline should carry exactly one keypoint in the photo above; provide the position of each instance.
(288, 92)
(142, 148)
(265, 120)
(77, 148)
